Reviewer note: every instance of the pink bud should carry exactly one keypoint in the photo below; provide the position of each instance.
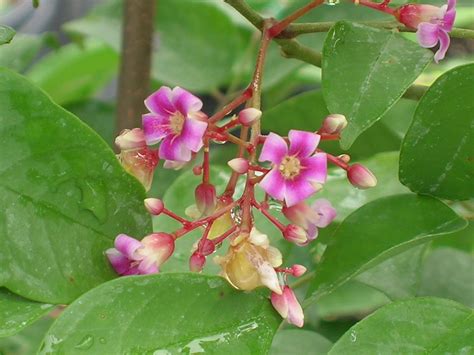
(206, 198)
(411, 15)
(288, 306)
(206, 247)
(361, 177)
(297, 270)
(158, 247)
(239, 165)
(295, 234)
(248, 116)
(197, 262)
(141, 163)
(154, 206)
(130, 139)
(333, 124)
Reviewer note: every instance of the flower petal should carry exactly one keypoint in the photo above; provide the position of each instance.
(274, 184)
(315, 168)
(147, 267)
(444, 41)
(451, 4)
(295, 312)
(427, 34)
(302, 143)
(274, 149)
(193, 131)
(448, 20)
(185, 102)
(269, 277)
(119, 262)
(160, 102)
(127, 246)
(297, 190)
(325, 211)
(280, 304)
(155, 127)
(173, 148)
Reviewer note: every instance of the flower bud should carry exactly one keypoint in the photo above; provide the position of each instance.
(297, 270)
(158, 247)
(333, 124)
(346, 158)
(130, 139)
(206, 247)
(239, 165)
(288, 306)
(154, 206)
(197, 262)
(411, 15)
(248, 116)
(206, 198)
(295, 234)
(141, 163)
(361, 177)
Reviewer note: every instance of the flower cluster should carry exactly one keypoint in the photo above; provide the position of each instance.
(290, 171)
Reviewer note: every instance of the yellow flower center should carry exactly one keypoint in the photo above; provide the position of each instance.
(177, 123)
(290, 167)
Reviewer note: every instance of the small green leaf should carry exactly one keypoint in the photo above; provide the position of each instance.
(17, 312)
(377, 231)
(165, 313)
(414, 326)
(74, 73)
(448, 273)
(6, 34)
(437, 155)
(365, 71)
(28, 340)
(292, 341)
(21, 51)
(64, 198)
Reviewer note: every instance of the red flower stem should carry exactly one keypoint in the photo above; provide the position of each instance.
(272, 219)
(285, 270)
(239, 100)
(231, 124)
(383, 7)
(195, 224)
(335, 160)
(276, 29)
(222, 237)
(230, 188)
(204, 237)
(329, 137)
(205, 164)
(258, 168)
(176, 217)
(233, 139)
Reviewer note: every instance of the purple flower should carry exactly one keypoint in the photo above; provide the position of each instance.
(175, 119)
(319, 215)
(432, 23)
(296, 173)
(134, 257)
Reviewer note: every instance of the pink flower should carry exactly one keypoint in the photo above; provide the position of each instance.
(432, 23)
(319, 215)
(288, 306)
(133, 257)
(175, 119)
(296, 172)
(135, 157)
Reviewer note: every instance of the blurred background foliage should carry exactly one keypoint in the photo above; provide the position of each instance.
(71, 50)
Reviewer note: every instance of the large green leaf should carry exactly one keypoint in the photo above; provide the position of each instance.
(165, 314)
(64, 198)
(6, 34)
(17, 313)
(22, 50)
(296, 341)
(365, 71)
(414, 326)
(196, 43)
(448, 273)
(74, 73)
(377, 231)
(437, 153)
(28, 340)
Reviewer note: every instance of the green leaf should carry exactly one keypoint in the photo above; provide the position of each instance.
(346, 198)
(17, 312)
(165, 313)
(6, 34)
(413, 326)
(448, 273)
(292, 341)
(98, 115)
(437, 153)
(377, 231)
(64, 195)
(461, 240)
(196, 43)
(28, 340)
(21, 51)
(399, 276)
(365, 71)
(74, 73)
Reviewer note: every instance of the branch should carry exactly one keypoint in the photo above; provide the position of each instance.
(134, 79)
(291, 48)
